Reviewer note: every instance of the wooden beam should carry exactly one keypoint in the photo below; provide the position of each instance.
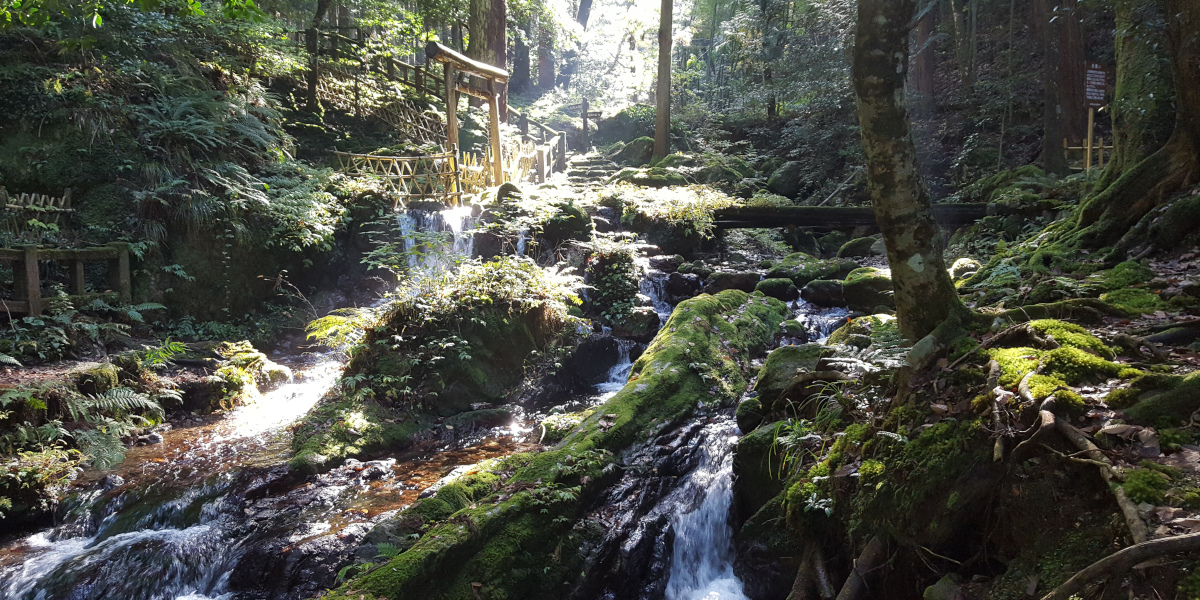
(451, 109)
(836, 217)
(494, 127)
(446, 56)
(473, 91)
(32, 282)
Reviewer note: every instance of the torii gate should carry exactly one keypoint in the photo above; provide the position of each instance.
(495, 77)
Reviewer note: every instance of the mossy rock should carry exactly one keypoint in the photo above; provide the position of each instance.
(511, 543)
(865, 289)
(802, 240)
(778, 288)
(1126, 274)
(726, 280)
(749, 414)
(556, 427)
(652, 177)
(857, 248)
(757, 460)
(480, 419)
(831, 242)
(635, 153)
(881, 328)
(802, 268)
(568, 223)
(641, 324)
(793, 328)
(963, 268)
(96, 380)
(787, 180)
(824, 292)
(781, 366)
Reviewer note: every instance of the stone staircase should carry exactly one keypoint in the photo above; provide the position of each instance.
(591, 169)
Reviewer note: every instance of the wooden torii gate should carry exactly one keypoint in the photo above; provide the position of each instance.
(495, 78)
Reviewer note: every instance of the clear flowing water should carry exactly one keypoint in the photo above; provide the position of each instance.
(176, 534)
(422, 233)
(618, 375)
(702, 559)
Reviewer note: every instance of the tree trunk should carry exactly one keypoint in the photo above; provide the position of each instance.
(1144, 92)
(585, 11)
(477, 42)
(545, 59)
(497, 33)
(521, 77)
(922, 72)
(1073, 55)
(1053, 160)
(925, 296)
(1109, 214)
(662, 117)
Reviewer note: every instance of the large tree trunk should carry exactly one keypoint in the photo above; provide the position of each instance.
(1073, 54)
(1111, 213)
(585, 11)
(521, 76)
(1053, 160)
(545, 59)
(1144, 93)
(925, 296)
(922, 68)
(662, 117)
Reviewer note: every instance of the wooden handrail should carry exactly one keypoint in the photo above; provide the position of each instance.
(27, 279)
(437, 52)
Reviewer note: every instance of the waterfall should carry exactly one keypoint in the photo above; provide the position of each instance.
(819, 322)
(654, 285)
(702, 559)
(618, 375)
(416, 228)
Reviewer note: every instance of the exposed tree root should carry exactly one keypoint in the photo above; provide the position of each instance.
(1137, 527)
(1048, 423)
(1116, 564)
(993, 383)
(1086, 310)
(873, 556)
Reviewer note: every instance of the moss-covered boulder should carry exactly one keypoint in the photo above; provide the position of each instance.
(519, 537)
(569, 223)
(881, 328)
(831, 242)
(857, 248)
(96, 379)
(758, 461)
(867, 289)
(727, 280)
(782, 365)
(964, 268)
(636, 153)
(652, 177)
(639, 324)
(779, 288)
(802, 268)
(824, 292)
(787, 180)
(1169, 400)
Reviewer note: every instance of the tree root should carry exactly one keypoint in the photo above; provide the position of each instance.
(873, 556)
(1048, 425)
(1086, 310)
(1116, 564)
(812, 573)
(993, 383)
(1137, 527)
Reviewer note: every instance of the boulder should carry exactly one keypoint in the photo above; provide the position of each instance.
(802, 268)
(857, 248)
(681, 286)
(781, 366)
(667, 263)
(866, 289)
(653, 177)
(780, 288)
(96, 379)
(787, 180)
(636, 153)
(641, 325)
(831, 242)
(724, 280)
(569, 223)
(964, 268)
(824, 292)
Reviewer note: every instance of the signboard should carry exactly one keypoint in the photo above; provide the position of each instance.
(1095, 83)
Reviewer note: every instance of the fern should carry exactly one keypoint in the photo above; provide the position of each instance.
(116, 401)
(8, 360)
(102, 446)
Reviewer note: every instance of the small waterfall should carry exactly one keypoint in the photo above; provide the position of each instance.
(702, 559)
(522, 241)
(819, 322)
(618, 375)
(654, 285)
(420, 229)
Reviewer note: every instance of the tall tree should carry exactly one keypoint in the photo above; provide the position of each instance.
(922, 69)
(1053, 160)
(585, 11)
(925, 296)
(545, 56)
(1109, 214)
(662, 115)
(1072, 55)
(487, 21)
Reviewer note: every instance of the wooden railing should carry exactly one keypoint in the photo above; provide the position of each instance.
(435, 177)
(19, 209)
(27, 284)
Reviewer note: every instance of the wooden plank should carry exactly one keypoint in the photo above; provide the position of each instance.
(947, 215)
(437, 52)
(14, 306)
(32, 281)
(106, 253)
(118, 272)
(78, 281)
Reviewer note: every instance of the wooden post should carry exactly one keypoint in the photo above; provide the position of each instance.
(494, 131)
(1101, 147)
(391, 68)
(451, 109)
(420, 79)
(540, 164)
(118, 273)
(586, 143)
(32, 282)
(523, 123)
(78, 282)
(1087, 160)
(560, 162)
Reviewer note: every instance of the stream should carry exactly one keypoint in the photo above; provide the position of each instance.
(213, 514)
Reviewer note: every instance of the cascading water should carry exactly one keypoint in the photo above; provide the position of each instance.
(818, 322)
(702, 558)
(178, 535)
(431, 255)
(654, 285)
(618, 375)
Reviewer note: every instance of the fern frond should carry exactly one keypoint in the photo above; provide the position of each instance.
(103, 447)
(8, 360)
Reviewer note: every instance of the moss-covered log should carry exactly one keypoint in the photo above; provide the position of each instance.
(521, 541)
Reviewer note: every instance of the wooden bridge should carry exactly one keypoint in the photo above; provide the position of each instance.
(949, 216)
(27, 283)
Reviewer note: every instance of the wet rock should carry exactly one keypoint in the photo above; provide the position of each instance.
(641, 325)
(781, 366)
(682, 286)
(111, 482)
(780, 288)
(803, 268)
(866, 289)
(377, 469)
(824, 292)
(724, 280)
(151, 438)
(947, 588)
(667, 263)
(97, 379)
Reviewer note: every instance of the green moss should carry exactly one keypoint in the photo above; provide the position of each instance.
(802, 268)
(780, 288)
(856, 248)
(881, 328)
(781, 365)
(653, 177)
(1189, 588)
(1070, 334)
(558, 426)
(1146, 485)
(1076, 366)
(1166, 399)
(749, 414)
(1134, 300)
(1126, 274)
(432, 509)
